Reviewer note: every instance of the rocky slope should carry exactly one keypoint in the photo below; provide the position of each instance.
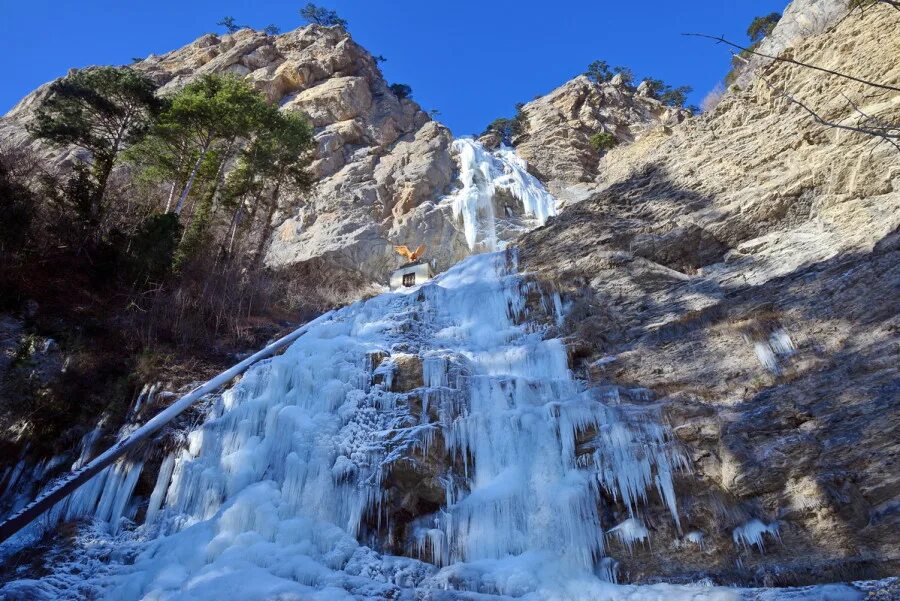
(382, 164)
(558, 127)
(737, 271)
(743, 267)
(381, 161)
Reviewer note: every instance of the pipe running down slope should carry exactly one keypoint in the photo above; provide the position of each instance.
(60, 489)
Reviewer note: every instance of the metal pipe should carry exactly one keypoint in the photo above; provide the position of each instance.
(63, 487)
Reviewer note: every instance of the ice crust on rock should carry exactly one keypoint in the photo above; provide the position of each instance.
(753, 534)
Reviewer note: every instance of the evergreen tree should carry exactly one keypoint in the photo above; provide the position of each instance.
(401, 90)
(101, 110)
(508, 129)
(675, 97)
(626, 73)
(199, 132)
(598, 71)
(322, 16)
(230, 24)
(274, 162)
(760, 27)
(602, 141)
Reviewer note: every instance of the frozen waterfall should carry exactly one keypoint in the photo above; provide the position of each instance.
(289, 468)
(482, 175)
(429, 443)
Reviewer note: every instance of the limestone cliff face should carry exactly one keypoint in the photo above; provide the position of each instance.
(381, 162)
(739, 269)
(743, 267)
(558, 128)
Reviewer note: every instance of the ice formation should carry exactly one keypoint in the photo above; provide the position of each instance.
(778, 346)
(286, 473)
(282, 490)
(753, 533)
(482, 174)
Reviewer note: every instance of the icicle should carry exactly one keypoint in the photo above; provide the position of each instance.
(630, 532)
(753, 534)
(159, 490)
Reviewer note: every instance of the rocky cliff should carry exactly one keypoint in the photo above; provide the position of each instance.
(736, 272)
(381, 162)
(742, 268)
(558, 128)
(382, 165)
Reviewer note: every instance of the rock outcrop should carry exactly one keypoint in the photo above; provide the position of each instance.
(743, 266)
(738, 272)
(381, 163)
(558, 127)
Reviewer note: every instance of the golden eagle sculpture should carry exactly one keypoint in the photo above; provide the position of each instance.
(411, 255)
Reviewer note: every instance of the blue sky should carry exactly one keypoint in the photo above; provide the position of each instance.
(470, 59)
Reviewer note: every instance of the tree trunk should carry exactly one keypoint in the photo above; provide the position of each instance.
(102, 170)
(190, 182)
(267, 228)
(235, 220)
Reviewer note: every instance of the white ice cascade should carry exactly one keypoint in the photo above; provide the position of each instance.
(288, 470)
(287, 487)
(482, 174)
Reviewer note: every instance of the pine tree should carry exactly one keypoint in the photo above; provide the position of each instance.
(322, 16)
(102, 110)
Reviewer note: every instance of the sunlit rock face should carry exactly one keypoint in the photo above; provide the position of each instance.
(743, 265)
(558, 126)
(381, 165)
(712, 395)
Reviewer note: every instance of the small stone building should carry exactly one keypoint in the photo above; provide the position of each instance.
(410, 275)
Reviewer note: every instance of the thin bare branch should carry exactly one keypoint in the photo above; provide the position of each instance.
(722, 40)
(872, 122)
(889, 137)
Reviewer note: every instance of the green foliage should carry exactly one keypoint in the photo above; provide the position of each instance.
(230, 24)
(675, 97)
(274, 162)
(626, 73)
(379, 59)
(200, 130)
(73, 200)
(152, 248)
(603, 141)
(508, 129)
(322, 16)
(600, 72)
(281, 150)
(102, 110)
(78, 194)
(760, 27)
(401, 90)
(271, 30)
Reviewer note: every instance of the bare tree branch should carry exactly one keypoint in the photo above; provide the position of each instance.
(890, 135)
(722, 40)
(874, 123)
